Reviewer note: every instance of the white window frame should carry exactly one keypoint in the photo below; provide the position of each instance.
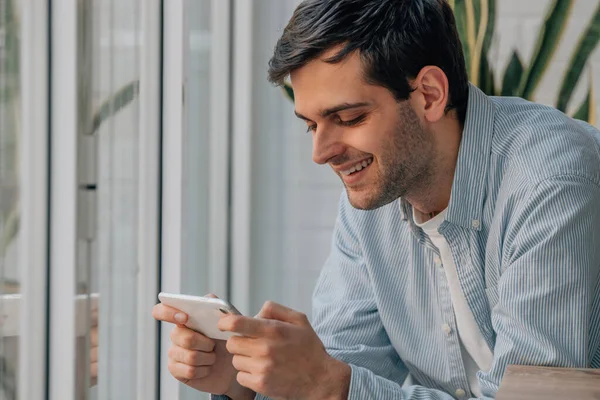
(33, 250)
(63, 208)
(175, 39)
(220, 140)
(242, 155)
(172, 173)
(148, 200)
(63, 199)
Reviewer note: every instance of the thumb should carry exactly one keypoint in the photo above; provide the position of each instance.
(272, 310)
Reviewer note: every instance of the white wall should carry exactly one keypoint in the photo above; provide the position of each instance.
(294, 201)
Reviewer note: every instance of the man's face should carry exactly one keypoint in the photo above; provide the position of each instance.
(375, 144)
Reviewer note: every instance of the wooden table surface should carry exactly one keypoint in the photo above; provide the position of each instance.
(537, 383)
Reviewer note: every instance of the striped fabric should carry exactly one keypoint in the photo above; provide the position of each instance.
(523, 225)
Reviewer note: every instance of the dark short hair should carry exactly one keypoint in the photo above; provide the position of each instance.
(395, 40)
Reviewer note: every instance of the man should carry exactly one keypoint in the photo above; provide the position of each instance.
(467, 236)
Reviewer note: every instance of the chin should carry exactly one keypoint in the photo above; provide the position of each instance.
(361, 199)
(368, 199)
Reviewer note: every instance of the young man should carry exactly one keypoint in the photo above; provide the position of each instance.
(467, 237)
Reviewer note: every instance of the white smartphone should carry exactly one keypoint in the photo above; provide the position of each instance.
(10, 313)
(203, 312)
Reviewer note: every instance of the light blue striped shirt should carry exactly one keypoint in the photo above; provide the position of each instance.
(523, 225)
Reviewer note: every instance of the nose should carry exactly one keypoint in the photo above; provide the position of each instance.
(326, 145)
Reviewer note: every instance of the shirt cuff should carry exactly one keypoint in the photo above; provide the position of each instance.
(356, 389)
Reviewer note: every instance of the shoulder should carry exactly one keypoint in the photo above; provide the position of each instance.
(537, 142)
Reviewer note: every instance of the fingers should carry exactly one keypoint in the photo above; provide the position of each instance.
(168, 314)
(245, 346)
(94, 354)
(272, 310)
(94, 337)
(191, 340)
(246, 326)
(251, 381)
(94, 318)
(191, 357)
(242, 363)
(186, 373)
(94, 370)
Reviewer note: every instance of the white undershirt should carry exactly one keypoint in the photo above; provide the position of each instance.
(476, 354)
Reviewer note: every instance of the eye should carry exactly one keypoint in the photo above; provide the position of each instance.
(353, 122)
(312, 127)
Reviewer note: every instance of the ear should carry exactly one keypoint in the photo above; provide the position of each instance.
(431, 93)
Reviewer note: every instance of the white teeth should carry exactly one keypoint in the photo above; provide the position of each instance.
(358, 167)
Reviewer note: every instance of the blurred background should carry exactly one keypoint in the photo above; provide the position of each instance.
(142, 149)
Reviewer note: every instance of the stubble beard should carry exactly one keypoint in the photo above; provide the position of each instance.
(404, 167)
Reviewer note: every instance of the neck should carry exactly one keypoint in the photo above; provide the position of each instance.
(432, 195)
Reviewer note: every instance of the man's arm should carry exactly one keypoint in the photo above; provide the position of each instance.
(347, 321)
(346, 318)
(548, 308)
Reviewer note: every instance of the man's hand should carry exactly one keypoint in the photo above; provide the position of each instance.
(94, 349)
(281, 356)
(197, 361)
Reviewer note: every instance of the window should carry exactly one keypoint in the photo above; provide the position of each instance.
(10, 136)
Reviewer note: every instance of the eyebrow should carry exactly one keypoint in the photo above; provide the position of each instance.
(327, 112)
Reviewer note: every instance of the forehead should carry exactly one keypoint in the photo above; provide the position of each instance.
(320, 85)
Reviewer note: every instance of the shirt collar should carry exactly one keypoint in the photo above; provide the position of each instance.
(470, 177)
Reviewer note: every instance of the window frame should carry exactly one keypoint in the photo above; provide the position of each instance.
(175, 57)
(34, 162)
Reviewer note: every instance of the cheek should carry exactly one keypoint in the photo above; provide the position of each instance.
(374, 140)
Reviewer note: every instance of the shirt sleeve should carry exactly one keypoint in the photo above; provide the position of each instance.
(346, 318)
(547, 311)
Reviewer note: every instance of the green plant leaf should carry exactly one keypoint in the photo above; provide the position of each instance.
(486, 73)
(479, 37)
(587, 110)
(114, 104)
(512, 76)
(491, 26)
(583, 112)
(289, 91)
(10, 25)
(11, 228)
(586, 45)
(486, 77)
(547, 42)
(460, 15)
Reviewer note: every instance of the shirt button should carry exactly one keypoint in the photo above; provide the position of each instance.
(475, 223)
(460, 393)
(437, 261)
(446, 328)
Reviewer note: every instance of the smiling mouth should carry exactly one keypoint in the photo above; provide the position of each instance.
(357, 167)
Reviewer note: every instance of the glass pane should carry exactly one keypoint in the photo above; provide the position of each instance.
(196, 161)
(109, 73)
(196, 147)
(10, 114)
